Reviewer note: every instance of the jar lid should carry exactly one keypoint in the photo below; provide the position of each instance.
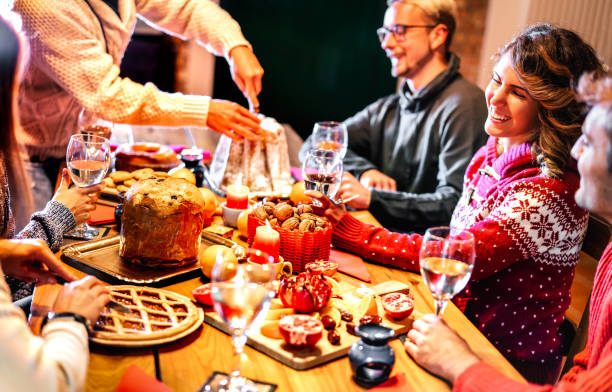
(375, 334)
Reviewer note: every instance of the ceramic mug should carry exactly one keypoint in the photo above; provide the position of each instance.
(281, 268)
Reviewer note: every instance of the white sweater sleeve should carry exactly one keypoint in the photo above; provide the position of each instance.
(201, 20)
(65, 44)
(57, 361)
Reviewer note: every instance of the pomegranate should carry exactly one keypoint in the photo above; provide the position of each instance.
(300, 330)
(327, 268)
(203, 294)
(306, 292)
(398, 305)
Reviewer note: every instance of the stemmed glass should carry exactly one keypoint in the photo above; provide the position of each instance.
(91, 124)
(330, 135)
(241, 295)
(322, 171)
(88, 160)
(447, 259)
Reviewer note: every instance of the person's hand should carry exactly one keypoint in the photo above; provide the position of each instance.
(80, 201)
(30, 259)
(246, 73)
(436, 347)
(375, 179)
(351, 186)
(233, 120)
(334, 212)
(86, 297)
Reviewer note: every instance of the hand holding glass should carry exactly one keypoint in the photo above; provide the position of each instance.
(241, 296)
(330, 135)
(88, 160)
(322, 171)
(447, 259)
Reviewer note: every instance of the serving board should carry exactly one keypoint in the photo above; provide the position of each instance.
(323, 351)
(101, 259)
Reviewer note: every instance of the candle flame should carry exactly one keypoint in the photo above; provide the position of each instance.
(268, 224)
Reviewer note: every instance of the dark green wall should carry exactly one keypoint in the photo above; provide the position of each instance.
(322, 59)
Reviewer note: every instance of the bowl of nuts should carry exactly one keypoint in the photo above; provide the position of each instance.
(304, 236)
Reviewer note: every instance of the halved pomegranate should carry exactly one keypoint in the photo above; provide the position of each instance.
(203, 294)
(398, 305)
(327, 268)
(306, 292)
(300, 330)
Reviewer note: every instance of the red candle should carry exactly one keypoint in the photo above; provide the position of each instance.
(266, 240)
(237, 197)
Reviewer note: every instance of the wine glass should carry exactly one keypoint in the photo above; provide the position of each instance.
(322, 171)
(89, 123)
(330, 135)
(447, 259)
(241, 295)
(88, 160)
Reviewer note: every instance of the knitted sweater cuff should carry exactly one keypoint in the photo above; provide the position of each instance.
(194, 110)
(56, 219)
(347, 233)
(483, 377)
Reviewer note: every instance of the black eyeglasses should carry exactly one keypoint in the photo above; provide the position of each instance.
(398, 31)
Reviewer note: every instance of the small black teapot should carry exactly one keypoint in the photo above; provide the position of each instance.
(371, 357)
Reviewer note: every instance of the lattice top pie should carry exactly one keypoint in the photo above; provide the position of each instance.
(154, 314)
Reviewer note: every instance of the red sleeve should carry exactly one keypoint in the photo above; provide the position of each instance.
(378, 244)
(482, 377)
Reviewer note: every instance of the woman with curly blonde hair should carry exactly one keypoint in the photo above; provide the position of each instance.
(518, 202)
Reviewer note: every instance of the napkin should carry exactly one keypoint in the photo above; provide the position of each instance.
(395, 383)
(102, 214)
(350, 264)
(135, 380)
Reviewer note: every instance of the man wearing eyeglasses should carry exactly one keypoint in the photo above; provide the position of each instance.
(408, 152)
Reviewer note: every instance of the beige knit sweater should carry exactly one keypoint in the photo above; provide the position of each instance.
(69, 67)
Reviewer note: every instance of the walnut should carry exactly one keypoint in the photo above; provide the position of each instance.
(304, 208)
(291, 223)
(308, 215)
(283, 211)
(306, 225)
(260, 213)
(274, 222)
(269, 207)
(320, 222)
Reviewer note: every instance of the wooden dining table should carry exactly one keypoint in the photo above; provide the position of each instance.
(186, 364)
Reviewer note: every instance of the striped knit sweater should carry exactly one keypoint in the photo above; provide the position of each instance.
(528, 232)
(69, 66)
(592, 369)
(49, 225)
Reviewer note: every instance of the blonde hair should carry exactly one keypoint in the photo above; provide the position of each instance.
(548, 61)
(439, 11)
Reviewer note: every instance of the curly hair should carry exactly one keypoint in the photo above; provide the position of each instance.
(548, 61)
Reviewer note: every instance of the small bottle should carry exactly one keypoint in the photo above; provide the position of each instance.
(192, 158)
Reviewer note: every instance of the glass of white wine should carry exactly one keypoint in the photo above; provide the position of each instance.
(330, 135)
(88, 159)
(322, 171)
(241, 295)
(447, 259)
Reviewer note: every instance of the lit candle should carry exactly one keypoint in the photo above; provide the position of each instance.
(267, 240)
(237, 197)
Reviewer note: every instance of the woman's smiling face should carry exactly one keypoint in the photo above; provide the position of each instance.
(513, 113)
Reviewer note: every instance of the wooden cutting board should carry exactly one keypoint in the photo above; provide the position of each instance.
(323, 351)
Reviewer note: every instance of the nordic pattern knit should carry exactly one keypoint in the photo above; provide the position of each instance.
(69, 67)
(528, 232)
(49, 225)
(592, 369)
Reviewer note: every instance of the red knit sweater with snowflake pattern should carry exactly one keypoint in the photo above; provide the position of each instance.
(528, 231)
(592, 369)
